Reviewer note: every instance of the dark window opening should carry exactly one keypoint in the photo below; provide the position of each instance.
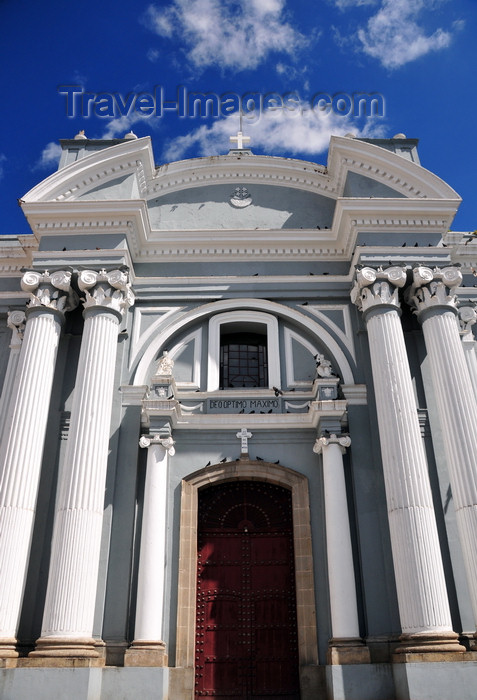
(243, 361)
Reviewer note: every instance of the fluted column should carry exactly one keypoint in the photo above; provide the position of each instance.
(420, 584)
(24, 425)
(148, 648)
(71, 595)
(467, 318)
(432, 295)
(15, 321)
(345, 645)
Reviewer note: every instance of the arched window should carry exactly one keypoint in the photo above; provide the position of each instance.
(243, 360)
(243, 351)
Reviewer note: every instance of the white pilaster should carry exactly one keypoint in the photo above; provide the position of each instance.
(15, 321)
(342, 588)
(71, 595)
(467, 318)
(24, 427)
(432, 296)
(420, 583)
(148, 649)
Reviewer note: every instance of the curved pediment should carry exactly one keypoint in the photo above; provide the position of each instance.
(100, 174)
(257, 205)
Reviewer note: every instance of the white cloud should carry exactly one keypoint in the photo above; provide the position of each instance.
(394, 36)
(119, 127)
(50, 157)
(345, 4)
(236, 34)
(275, 132)
(153, 55)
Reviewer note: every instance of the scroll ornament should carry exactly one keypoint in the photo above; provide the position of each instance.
(51, 291)
(431, 288)
(108, 289)
(376, 287)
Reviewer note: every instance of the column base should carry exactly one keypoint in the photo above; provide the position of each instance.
(8, 651)
(146, 653)
(67, 651)
(350, 650)
(434, 646)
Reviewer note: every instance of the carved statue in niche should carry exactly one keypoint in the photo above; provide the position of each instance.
(166, 364)
(323, 366)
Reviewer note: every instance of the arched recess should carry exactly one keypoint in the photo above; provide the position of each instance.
(305, 597)
(144, 368)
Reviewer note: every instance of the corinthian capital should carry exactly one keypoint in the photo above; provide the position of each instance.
(111, 290)
(343, 441)
(431, 288)
(467, 318)
(374, 287)
(16, 321)
(51, 291)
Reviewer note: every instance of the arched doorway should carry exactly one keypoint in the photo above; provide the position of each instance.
(246, 626)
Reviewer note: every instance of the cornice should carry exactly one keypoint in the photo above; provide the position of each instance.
(16, 254)
(429, 204)
(130, 217)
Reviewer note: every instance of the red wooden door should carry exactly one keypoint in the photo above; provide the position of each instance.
(246, 635)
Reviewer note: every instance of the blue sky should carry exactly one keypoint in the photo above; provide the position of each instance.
(419, 55)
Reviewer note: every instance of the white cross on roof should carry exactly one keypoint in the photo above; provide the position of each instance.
(240, 139)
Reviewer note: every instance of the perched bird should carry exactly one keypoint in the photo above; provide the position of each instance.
(223, 460)
(208, 464)
(259, 459)
(277, 391)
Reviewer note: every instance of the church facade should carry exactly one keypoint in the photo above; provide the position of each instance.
(238, 429)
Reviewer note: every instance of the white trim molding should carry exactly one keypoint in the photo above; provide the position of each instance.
(248, 317)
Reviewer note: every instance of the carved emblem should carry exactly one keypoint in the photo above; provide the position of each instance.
(240, 197)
